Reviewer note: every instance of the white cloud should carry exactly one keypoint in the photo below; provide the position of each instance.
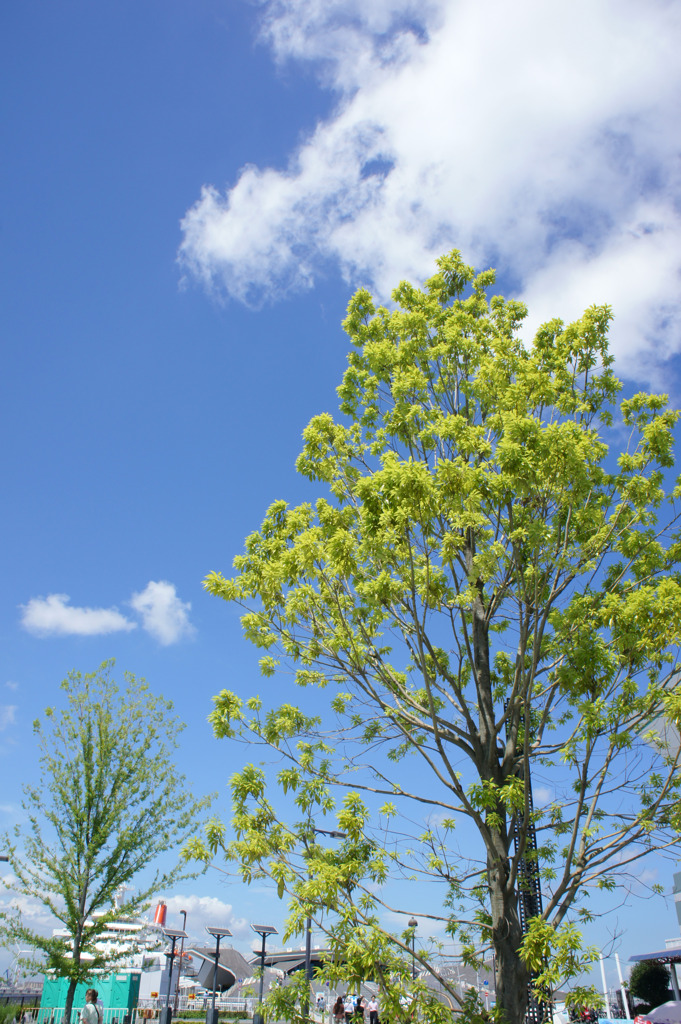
(347, 37)
(7, 715)
(543, 138)
(642, 258)
(164, 615)
(31, 909)
(12, 686)
(542, 795)
(203, 911)
(53, 616)
(436, 819)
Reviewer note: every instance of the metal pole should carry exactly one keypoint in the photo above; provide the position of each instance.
(623, 987)
(170, 974)
(166, 1013)
(308, 969)
(675, 980)
(605, 987)
(305, 1008)
(263, 931)
(218, 934)
(413, 923)
(262, 969)
(215, 976)
(179, 972)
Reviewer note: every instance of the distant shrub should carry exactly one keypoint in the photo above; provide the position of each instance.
(201, 1015)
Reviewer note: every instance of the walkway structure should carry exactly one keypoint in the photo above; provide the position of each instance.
(232, 967)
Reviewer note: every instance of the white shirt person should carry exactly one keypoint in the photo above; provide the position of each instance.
(91, 1013)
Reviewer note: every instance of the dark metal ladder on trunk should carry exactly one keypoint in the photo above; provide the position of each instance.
(528, 887)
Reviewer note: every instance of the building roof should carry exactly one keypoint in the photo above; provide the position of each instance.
(289, 960)
(665, 956)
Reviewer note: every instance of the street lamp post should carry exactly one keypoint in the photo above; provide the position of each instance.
(263, 930)
(217, 933)
(179, 973)
(166, 1014)
(413, 923)
(305, 1009)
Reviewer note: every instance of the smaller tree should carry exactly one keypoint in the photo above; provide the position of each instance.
(649, 980)
(110, 801)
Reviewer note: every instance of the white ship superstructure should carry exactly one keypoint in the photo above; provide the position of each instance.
(135, 943)
(139, 945)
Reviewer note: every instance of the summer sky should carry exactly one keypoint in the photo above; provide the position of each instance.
(191, 191)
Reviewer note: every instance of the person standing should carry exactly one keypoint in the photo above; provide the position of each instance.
(91, 1013)
(372, 1007)
(349, 1008)
(339, 1011)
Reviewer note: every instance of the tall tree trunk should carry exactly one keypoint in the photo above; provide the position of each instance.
(511, 976)
(70, 993)
(73, 983)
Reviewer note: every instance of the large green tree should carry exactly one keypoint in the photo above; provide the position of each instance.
(110, 802)
(649, 980)
(486, 593)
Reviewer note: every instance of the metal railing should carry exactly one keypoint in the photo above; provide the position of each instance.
(110, 1015)
(200, 1003)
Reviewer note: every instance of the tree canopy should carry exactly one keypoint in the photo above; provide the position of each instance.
(486, 594)
(110, 802)
(649, 980)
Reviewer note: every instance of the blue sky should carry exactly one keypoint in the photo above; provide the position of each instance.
(191, 191)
